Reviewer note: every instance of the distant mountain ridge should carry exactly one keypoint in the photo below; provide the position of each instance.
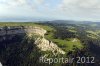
(72, 22)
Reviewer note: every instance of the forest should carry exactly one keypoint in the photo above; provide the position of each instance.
(76, 40)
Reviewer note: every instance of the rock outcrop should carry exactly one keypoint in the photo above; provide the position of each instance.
(36, 31)
(42, 43)
(46, 45)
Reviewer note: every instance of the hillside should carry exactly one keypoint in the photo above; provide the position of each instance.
(22, 44)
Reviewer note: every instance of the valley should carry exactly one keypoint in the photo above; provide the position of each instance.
(22, 44)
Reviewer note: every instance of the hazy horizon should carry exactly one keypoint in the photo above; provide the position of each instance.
(44, 10)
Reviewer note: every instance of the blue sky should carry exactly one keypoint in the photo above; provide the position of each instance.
(84, 10)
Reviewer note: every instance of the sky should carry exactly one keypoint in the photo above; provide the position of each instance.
(29, 10)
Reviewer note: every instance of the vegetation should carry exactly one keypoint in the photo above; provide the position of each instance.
(81, 40)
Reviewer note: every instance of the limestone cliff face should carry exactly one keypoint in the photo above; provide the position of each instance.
(36, 31)
(46, 45)
(42, 43)
(20, 30)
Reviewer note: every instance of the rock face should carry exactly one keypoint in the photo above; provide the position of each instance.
(36, 31)
(20, 30)
(45, 45)
(42, 43)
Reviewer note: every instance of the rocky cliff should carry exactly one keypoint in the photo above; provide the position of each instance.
(42, 43)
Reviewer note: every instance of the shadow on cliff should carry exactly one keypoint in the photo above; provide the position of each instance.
(15, 49)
